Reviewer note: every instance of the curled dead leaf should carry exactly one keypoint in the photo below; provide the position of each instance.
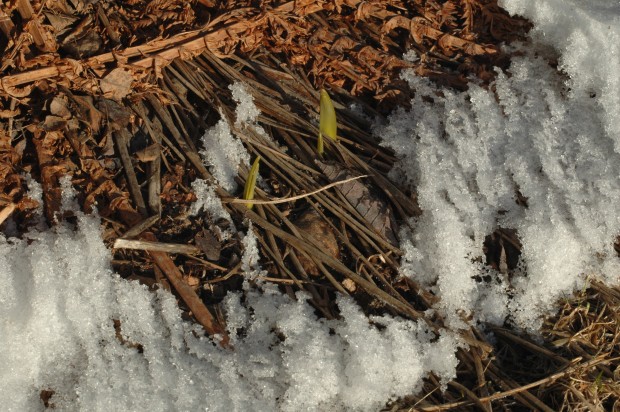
(7, 114)
(53, 123)
(149, 153)
(14, 91)
(365, 10)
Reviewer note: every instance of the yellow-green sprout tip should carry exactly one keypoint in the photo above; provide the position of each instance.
(250, 184)
(327, 120)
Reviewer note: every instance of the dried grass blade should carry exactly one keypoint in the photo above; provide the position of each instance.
(140, 227)
(155, 246)
(292, 198)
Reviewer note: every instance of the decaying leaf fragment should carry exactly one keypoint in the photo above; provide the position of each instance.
(311, 224)
(208, 243)
(149, 153)
(117, 84)
(373, 209)
(6, 212)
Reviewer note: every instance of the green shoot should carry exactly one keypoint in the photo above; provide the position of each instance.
(319, 145)
(327, 121)
(250, 184)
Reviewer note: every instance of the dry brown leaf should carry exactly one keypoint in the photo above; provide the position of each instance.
(149, 153)
(447, 14)
(368, 203)
(312, 225)
(59, 107)
(87, 112)
(109, 199)
(117, 84)
(53, 123)
(116, 116)
(14, 91)
(208, 243)
(60, 22)
(468, 15)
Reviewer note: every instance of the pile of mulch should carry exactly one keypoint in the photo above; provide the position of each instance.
(117, 95)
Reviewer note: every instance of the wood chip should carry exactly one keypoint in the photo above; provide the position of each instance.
(6, 212)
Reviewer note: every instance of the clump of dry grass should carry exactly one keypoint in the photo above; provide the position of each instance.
(588, 327)
(573, 366)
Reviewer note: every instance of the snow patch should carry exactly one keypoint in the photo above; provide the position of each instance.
(57, 314)
(468, 153)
